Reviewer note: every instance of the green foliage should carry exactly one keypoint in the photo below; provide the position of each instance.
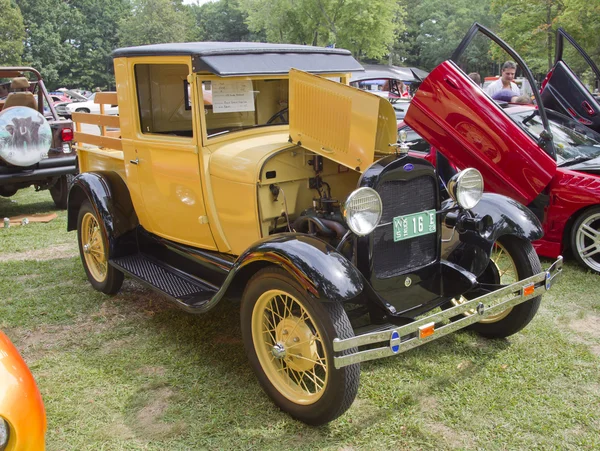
(12, 33)
(530, 28)
(156, 21)
(224, 21)
(93, 38)
(48, 28)
(434, 28)
(366, 28)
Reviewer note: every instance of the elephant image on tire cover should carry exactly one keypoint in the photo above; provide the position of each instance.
(25, 136)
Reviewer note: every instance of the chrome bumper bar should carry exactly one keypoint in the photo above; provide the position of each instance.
(426, 329)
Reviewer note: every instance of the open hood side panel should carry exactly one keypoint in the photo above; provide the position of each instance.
(471, 130)
(339, 122)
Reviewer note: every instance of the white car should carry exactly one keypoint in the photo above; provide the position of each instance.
(90, 107)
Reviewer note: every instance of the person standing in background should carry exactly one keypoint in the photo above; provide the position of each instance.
(509, 69)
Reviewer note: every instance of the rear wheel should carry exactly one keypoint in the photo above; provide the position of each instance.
(585, 239)
(60, 190)
(82, 110)
(288, 337)
(512, 259)
(93, 249)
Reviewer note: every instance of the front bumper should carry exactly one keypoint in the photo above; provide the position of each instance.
(419, 332)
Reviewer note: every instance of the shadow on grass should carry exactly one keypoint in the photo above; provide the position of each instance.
(14, 207)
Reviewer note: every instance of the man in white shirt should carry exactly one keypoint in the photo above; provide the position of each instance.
(505, 81)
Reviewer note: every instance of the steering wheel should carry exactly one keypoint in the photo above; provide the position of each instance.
(279, 115)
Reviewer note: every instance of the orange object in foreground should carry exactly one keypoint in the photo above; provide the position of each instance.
(21, 405)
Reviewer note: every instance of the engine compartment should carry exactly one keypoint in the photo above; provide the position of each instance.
(300, 191)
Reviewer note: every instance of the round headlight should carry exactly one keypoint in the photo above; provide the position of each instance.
(362, 210)
(466, 188)
(4, 433)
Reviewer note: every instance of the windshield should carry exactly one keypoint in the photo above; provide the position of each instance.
(572, 140)
(231, 104)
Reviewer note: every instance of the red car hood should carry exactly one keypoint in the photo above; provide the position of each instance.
(471, 130)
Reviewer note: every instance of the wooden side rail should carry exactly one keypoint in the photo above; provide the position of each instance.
(107, 138)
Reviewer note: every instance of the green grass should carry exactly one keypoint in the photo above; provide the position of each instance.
(132, 372)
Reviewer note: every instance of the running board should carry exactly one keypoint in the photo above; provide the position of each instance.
(187, 292)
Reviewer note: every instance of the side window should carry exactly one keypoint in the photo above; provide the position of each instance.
(164, 99)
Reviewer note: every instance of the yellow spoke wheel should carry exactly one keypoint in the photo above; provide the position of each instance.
(512, 259)
(506, 271)
(94, 251)
(92, 244)
(289, 347)
(288, 336)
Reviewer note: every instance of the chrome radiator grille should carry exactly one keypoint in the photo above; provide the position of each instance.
(402, 197)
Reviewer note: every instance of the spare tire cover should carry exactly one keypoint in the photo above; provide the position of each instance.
(25, 136)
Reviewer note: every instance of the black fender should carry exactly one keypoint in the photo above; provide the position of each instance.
(322, 271)
(110, 198)
(509, 217)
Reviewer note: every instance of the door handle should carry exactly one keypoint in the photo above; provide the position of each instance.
(451, 82)
(136, 161)
(588, 108)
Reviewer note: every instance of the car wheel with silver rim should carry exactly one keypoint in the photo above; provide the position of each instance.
(585, 239)
(288, 337)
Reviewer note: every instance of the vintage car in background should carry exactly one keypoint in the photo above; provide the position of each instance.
(89, 106)
(22, 414)
(329, 233)
(552, 164)
(397, 84)
(35, 143)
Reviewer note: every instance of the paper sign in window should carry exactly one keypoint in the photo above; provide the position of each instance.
(232, 96)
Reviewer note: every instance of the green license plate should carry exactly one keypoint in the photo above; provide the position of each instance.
(417, 224)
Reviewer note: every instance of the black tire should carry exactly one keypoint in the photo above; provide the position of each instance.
(93, 249)
(60, 190)
(82, 110)
(318, 323)
(585, 239)
(526, 263)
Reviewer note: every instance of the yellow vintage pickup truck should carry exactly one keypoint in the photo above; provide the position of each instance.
(254, 172)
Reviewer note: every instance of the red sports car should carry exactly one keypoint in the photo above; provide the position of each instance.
(541, 158)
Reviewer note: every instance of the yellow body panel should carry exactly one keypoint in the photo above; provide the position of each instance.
(339, 122)
(166, 181)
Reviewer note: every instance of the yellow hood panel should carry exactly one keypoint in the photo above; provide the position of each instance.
(339, 122)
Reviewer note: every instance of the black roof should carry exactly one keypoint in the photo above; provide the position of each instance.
(251, 58)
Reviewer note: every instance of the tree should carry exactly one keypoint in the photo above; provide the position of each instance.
(47, 47)
(223, 20)
(435, 28)
(156, 21)
(366, 28)
(93, 39)
(12, 33)
(530, 28)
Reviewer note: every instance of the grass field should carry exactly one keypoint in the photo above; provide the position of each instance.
(133, 372)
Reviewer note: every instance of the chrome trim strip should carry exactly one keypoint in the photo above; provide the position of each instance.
(486, 305)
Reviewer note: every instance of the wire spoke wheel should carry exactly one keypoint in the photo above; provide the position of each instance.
(289, 347)
(505, 273)
(93, 247)
(94, 251)
(288, 335)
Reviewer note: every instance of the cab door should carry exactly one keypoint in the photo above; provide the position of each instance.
(562, 89)
(160, 147)
(454, 115)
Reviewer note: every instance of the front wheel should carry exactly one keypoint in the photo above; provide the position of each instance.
(288, 337)
(512, 259)
(93, 249)
(585, 239)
